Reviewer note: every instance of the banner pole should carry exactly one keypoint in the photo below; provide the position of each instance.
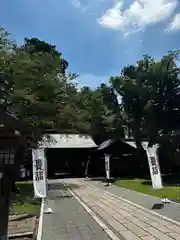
(107, 168)
(87, 167)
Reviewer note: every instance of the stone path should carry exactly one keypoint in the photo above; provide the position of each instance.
(128, 222)
(170, 210)
(69, 220)
(20, 227)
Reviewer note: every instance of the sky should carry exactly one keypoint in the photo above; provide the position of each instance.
(97, 37)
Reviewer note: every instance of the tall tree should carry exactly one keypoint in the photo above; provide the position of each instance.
(101, 112)
(6, 82)
(150, 97)
(34, 84)
(37, 46)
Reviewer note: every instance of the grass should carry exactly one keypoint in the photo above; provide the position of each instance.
(24, 202)
(144, 186)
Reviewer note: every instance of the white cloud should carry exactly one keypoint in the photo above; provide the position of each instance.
(175, 24)
(78, 4)
(91, 80)
(113, 17)
(138, 15)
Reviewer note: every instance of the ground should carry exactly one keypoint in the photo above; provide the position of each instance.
(144, 186)
(69, 220)
(24, 201)
(87, 210)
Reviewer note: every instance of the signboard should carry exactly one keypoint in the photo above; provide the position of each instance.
(154, 166)
(107, 166)
(39, 173)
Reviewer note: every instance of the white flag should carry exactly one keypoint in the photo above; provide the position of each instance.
(39, 173)
(154, 166)
(107, 166)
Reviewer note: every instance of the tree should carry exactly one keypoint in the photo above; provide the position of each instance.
(101, 113)
(163, 109)
(150, 97)
(39, 91)
(6, 48)
(36, 46)
(39, 84)
(35, 87)
(35, 90)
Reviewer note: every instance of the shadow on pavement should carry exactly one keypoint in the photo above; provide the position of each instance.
(103, 179)
(60, 186)
(53, 196)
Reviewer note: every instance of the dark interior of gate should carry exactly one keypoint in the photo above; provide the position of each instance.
(67, 162)
(69, 156)
(125, 160)
(72, 162)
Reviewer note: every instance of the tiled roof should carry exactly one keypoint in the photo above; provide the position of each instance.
(67, 141)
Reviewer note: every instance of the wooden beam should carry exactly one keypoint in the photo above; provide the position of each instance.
(12, 122)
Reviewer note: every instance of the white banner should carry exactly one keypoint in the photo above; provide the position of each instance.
(39, 173)
(107, 166)
(154, 166)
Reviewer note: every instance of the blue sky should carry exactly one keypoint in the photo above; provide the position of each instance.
(97, 37)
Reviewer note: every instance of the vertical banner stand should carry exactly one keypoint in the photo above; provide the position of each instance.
(107, 168)
(40, 176)
(87, 167)
(154, 168)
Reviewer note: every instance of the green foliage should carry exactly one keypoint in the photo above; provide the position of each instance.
(150, 97)
(35, 90)
(35, 86)
(24, 201)
(6, 48)
(100, 106)
(144, 186)
(5, 40)
(36, 46)
(33, 83)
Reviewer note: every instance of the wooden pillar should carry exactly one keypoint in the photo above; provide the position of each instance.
(8, 147)
(5, 190)
(12, 137)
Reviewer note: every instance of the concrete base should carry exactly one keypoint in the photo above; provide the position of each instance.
(48, 211)
(165, 200)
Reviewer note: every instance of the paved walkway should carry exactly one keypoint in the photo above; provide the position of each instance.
(69, 220)
(170, 210)
(119, 219)
(21, 225)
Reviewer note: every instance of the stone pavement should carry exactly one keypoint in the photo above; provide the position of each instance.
(171, 210)
(128, 222)
(21, 225)
(69, 220)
